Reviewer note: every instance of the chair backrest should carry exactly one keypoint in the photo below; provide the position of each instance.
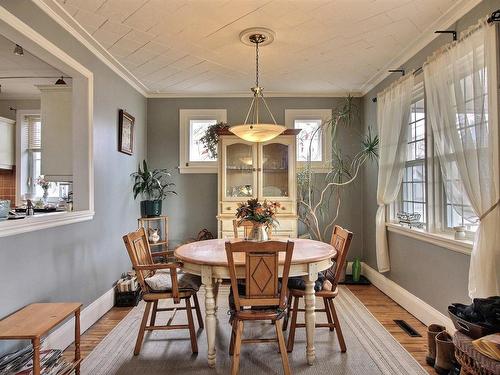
(341, 241)
(247, 228)
(138, 249)
(261, 272)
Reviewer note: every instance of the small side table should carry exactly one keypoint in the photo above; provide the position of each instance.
(36, 320)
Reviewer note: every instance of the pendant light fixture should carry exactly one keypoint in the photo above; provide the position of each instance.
(253, 130)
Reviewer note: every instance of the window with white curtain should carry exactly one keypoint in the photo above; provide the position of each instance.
(413, 189)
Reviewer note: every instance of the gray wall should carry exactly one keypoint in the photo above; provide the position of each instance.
(436, 275)
(79, 262)
(196, 206)
(6, 104)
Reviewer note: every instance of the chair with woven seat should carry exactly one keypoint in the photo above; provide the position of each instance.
(341, 240)
(162, 281)
(262, 297)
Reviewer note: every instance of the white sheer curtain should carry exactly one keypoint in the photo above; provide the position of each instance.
(461, 85)
(393, 113)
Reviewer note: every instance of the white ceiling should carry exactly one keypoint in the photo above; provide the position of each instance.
(27, 65)
(188, 47)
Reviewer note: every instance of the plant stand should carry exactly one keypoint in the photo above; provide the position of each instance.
(159, 223)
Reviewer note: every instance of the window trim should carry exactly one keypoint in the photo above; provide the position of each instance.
(291, 115)
(185, 116)
(83, 83)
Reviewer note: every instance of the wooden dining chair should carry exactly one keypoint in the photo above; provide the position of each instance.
(262, 297)
(341, 240)
(161, 281)
(247, 228)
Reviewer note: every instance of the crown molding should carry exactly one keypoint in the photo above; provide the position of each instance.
(55, 11)
(246, 94)
(454, 13)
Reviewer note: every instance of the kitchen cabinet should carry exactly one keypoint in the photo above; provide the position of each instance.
(7, 143)
(266, 171)
(57, 132)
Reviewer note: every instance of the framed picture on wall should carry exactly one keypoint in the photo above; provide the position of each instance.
(125, 132)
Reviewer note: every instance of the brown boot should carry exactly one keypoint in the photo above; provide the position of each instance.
(432, 331)
(445, 353)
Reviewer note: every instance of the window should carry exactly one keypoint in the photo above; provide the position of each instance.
(413, 190)
(194, 157)
(311, 142)
(33, 130)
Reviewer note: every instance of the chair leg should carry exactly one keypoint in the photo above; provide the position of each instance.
(153, 314)
(288, 308)
(198, 311)
(282, 346)
(235, 365)
(328, 313)
(192, 333)
(234, 327)
(142, 328)
(293, 324)
(336, 321)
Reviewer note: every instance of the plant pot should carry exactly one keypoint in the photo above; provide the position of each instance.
(150, 208)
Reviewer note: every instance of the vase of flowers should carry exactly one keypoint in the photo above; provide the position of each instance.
(44, 184)
(261, 215)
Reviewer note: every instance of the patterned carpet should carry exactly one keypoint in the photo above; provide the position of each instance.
(370, 348)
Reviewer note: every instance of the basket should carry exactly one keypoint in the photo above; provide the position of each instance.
(127, 299)
(473, 362)
(473, 330)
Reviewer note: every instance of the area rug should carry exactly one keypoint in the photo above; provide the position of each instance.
(370, 348)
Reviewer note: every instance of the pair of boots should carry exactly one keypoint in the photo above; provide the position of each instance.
(441, 351)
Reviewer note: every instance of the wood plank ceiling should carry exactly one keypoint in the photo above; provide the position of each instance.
(192, 46)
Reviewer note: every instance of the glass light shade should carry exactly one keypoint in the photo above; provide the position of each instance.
(257, 132)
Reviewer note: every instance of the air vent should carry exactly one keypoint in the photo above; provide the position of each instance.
(407, 328)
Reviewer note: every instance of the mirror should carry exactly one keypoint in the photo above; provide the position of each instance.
(36, 135)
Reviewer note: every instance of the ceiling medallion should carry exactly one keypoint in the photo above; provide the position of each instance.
(253, 130)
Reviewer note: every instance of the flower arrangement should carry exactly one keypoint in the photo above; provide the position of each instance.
(211, 137)
(44, 184)
(262, 213)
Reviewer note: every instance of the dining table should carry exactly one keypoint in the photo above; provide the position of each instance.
(208, 260)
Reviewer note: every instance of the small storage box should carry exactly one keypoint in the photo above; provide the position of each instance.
(127, 299)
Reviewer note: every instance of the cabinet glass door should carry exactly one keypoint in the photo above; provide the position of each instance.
(240, 169)
(275, 170)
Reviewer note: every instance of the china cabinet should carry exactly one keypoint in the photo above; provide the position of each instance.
(265, 170)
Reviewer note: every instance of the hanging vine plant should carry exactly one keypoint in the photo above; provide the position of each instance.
(211, 137)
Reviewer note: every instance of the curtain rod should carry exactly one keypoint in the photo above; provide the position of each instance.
(494, 17)
(30, 77)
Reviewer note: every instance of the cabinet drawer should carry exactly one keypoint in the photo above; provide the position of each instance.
(286, 208)
(228, 207)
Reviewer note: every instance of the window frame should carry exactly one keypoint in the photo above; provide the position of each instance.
(185, 117)
(291, 115)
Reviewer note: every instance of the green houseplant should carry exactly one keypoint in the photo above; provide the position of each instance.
(154, 186)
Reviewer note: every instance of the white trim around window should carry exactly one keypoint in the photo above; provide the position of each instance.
(83, 167)
(185, 117)
(291, 115)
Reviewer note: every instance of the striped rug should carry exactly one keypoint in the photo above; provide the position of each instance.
(370, 348)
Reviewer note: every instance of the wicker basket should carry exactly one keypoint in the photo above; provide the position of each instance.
(473, 362)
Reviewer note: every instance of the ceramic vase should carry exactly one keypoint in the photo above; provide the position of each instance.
(258, 233)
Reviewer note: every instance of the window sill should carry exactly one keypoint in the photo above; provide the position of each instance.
(43, 221)
(198, 169)
(444, 240)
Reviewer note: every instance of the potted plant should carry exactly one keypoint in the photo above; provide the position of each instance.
(211, 137)
(154, 186)
(261, 215)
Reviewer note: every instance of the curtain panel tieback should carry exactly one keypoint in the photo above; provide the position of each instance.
(489, 210)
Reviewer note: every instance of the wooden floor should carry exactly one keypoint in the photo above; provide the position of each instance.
(382, 307)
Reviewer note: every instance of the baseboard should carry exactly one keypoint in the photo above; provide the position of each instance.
(64, 336)
(411, 303)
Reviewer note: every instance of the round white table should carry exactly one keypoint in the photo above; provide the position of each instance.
(208, 259)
